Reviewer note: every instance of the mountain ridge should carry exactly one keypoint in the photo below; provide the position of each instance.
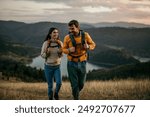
(121, 24)
(134, 40)
(99, 24)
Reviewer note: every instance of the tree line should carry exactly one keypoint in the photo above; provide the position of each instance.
(10, 68)
(134, 71)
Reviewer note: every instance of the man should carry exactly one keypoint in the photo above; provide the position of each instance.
(76, 45)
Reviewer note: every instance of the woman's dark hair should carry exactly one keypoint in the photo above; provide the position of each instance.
(50, 32)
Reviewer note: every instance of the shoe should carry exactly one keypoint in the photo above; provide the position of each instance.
(56, 96)
(50, 98)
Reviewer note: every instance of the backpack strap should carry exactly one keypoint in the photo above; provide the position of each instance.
(83, 42)
(72, 40)
(82, 38)
(82, 33)
(56, 46)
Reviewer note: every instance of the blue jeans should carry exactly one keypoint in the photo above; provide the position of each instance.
(52, 72)
(77, 76)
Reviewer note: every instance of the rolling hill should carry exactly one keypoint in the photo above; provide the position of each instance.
(133, 41)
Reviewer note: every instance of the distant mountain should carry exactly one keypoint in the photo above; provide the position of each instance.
(32, 34)
(135, 41)
(11, 24)
(29, 34)
(121, 24)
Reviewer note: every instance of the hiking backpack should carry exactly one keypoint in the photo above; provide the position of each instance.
(56, 46)
(82, 42)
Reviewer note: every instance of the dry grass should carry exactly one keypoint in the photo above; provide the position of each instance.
(94, 90)
(114, 90)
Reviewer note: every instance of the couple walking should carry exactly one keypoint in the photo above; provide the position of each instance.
(75, 45)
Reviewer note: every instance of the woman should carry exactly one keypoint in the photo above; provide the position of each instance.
(52, 53)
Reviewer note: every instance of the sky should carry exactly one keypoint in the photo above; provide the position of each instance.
(85, 11)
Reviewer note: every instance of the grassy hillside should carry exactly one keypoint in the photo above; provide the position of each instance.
(102, 90)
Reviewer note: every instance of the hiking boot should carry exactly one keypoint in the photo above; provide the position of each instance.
(50, 97)
(56, 96)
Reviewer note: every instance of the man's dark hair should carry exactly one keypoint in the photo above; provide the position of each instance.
(73, 22)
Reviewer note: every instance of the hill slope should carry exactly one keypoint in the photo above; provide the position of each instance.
(135, 71)
(135, 41)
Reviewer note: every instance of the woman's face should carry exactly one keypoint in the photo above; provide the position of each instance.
(54, 34)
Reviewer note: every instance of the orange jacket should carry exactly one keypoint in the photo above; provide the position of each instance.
(80, 53)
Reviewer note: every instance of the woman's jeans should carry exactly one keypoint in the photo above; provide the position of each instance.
(51, 73)
(77, 76)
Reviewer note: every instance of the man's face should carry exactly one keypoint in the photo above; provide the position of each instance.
(74, 30)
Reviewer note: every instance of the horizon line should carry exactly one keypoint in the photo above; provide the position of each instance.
(79, 22)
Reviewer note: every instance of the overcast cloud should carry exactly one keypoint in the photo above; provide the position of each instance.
(89, 11)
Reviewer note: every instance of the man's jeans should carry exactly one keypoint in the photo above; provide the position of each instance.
(77, 76)
(52, 72)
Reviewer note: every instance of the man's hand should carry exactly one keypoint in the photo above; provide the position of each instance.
(72, 49)
(86, 46)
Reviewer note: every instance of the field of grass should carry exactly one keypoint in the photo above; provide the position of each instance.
(93, 90)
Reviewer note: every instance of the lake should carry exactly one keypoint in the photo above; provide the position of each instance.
(38, 62)
(142, 59)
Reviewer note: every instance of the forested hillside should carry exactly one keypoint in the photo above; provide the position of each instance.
(134, 40)
(134, 71)
(10, 68)
(17, 52)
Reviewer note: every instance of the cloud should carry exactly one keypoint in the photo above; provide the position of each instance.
(84, 10)
(99, 9)
(46, 1)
